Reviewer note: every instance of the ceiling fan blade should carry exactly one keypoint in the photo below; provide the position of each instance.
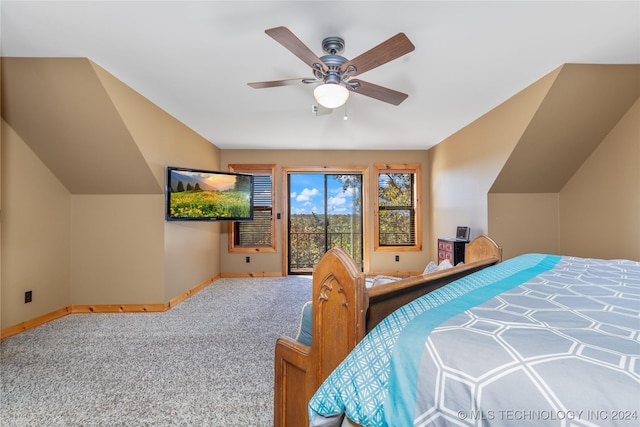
(289, 40)
(378, 92)
(277, 83)
(386, 51)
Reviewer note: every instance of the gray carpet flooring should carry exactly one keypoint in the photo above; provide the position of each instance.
(206, 362)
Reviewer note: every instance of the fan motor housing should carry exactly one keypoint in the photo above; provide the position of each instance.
(333, 45)
(333, 63)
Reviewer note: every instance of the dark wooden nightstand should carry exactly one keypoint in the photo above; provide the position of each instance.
(451, 249)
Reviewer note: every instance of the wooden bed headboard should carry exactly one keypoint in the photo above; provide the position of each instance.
(343, 311)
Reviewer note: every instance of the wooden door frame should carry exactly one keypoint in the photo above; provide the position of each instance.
(363, 170)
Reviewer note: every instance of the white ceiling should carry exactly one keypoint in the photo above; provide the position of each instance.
(195, 58)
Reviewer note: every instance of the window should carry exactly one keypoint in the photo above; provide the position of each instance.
(397, 207)
(257, 235)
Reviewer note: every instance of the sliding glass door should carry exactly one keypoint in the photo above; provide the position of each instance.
(324, 211)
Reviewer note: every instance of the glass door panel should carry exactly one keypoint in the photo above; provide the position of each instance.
(325, 211)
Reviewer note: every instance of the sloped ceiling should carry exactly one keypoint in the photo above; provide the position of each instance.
(194, 59)
(60, 108)
(582, 106)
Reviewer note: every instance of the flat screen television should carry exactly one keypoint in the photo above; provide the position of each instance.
(203, 195)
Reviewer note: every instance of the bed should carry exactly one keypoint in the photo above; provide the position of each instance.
(344, 310)
(533, 341)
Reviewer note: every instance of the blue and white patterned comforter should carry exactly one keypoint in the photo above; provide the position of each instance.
(535, 340)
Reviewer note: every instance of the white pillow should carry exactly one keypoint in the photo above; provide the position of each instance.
(444, 264)
(430, 268)
(381, 280)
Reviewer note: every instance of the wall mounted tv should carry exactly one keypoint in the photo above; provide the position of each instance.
(202, 195)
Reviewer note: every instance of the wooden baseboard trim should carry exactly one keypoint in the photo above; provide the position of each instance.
(103, 308)
(256, 274)
(118, 308)
(178, 299)
(33, 323)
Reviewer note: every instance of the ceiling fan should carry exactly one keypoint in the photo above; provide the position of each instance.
(335, 73)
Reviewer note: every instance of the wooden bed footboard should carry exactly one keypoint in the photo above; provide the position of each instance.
(344, 310)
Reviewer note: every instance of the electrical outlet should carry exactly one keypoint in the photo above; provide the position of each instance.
(397, 258)
(248, 259)
(28, 296)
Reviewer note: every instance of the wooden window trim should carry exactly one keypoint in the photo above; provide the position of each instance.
(364, 170)
(264, 169)
(413, 168)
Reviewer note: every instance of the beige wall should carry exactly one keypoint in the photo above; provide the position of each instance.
(525, 222)
(600, 205)
(107, 243)
(554, 169)
(36, 234)
(117, 249)
(464, 166)
(190, 254)
(594, 213)
(272, 263)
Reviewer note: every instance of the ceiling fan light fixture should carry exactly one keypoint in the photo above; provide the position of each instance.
(331, 95)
